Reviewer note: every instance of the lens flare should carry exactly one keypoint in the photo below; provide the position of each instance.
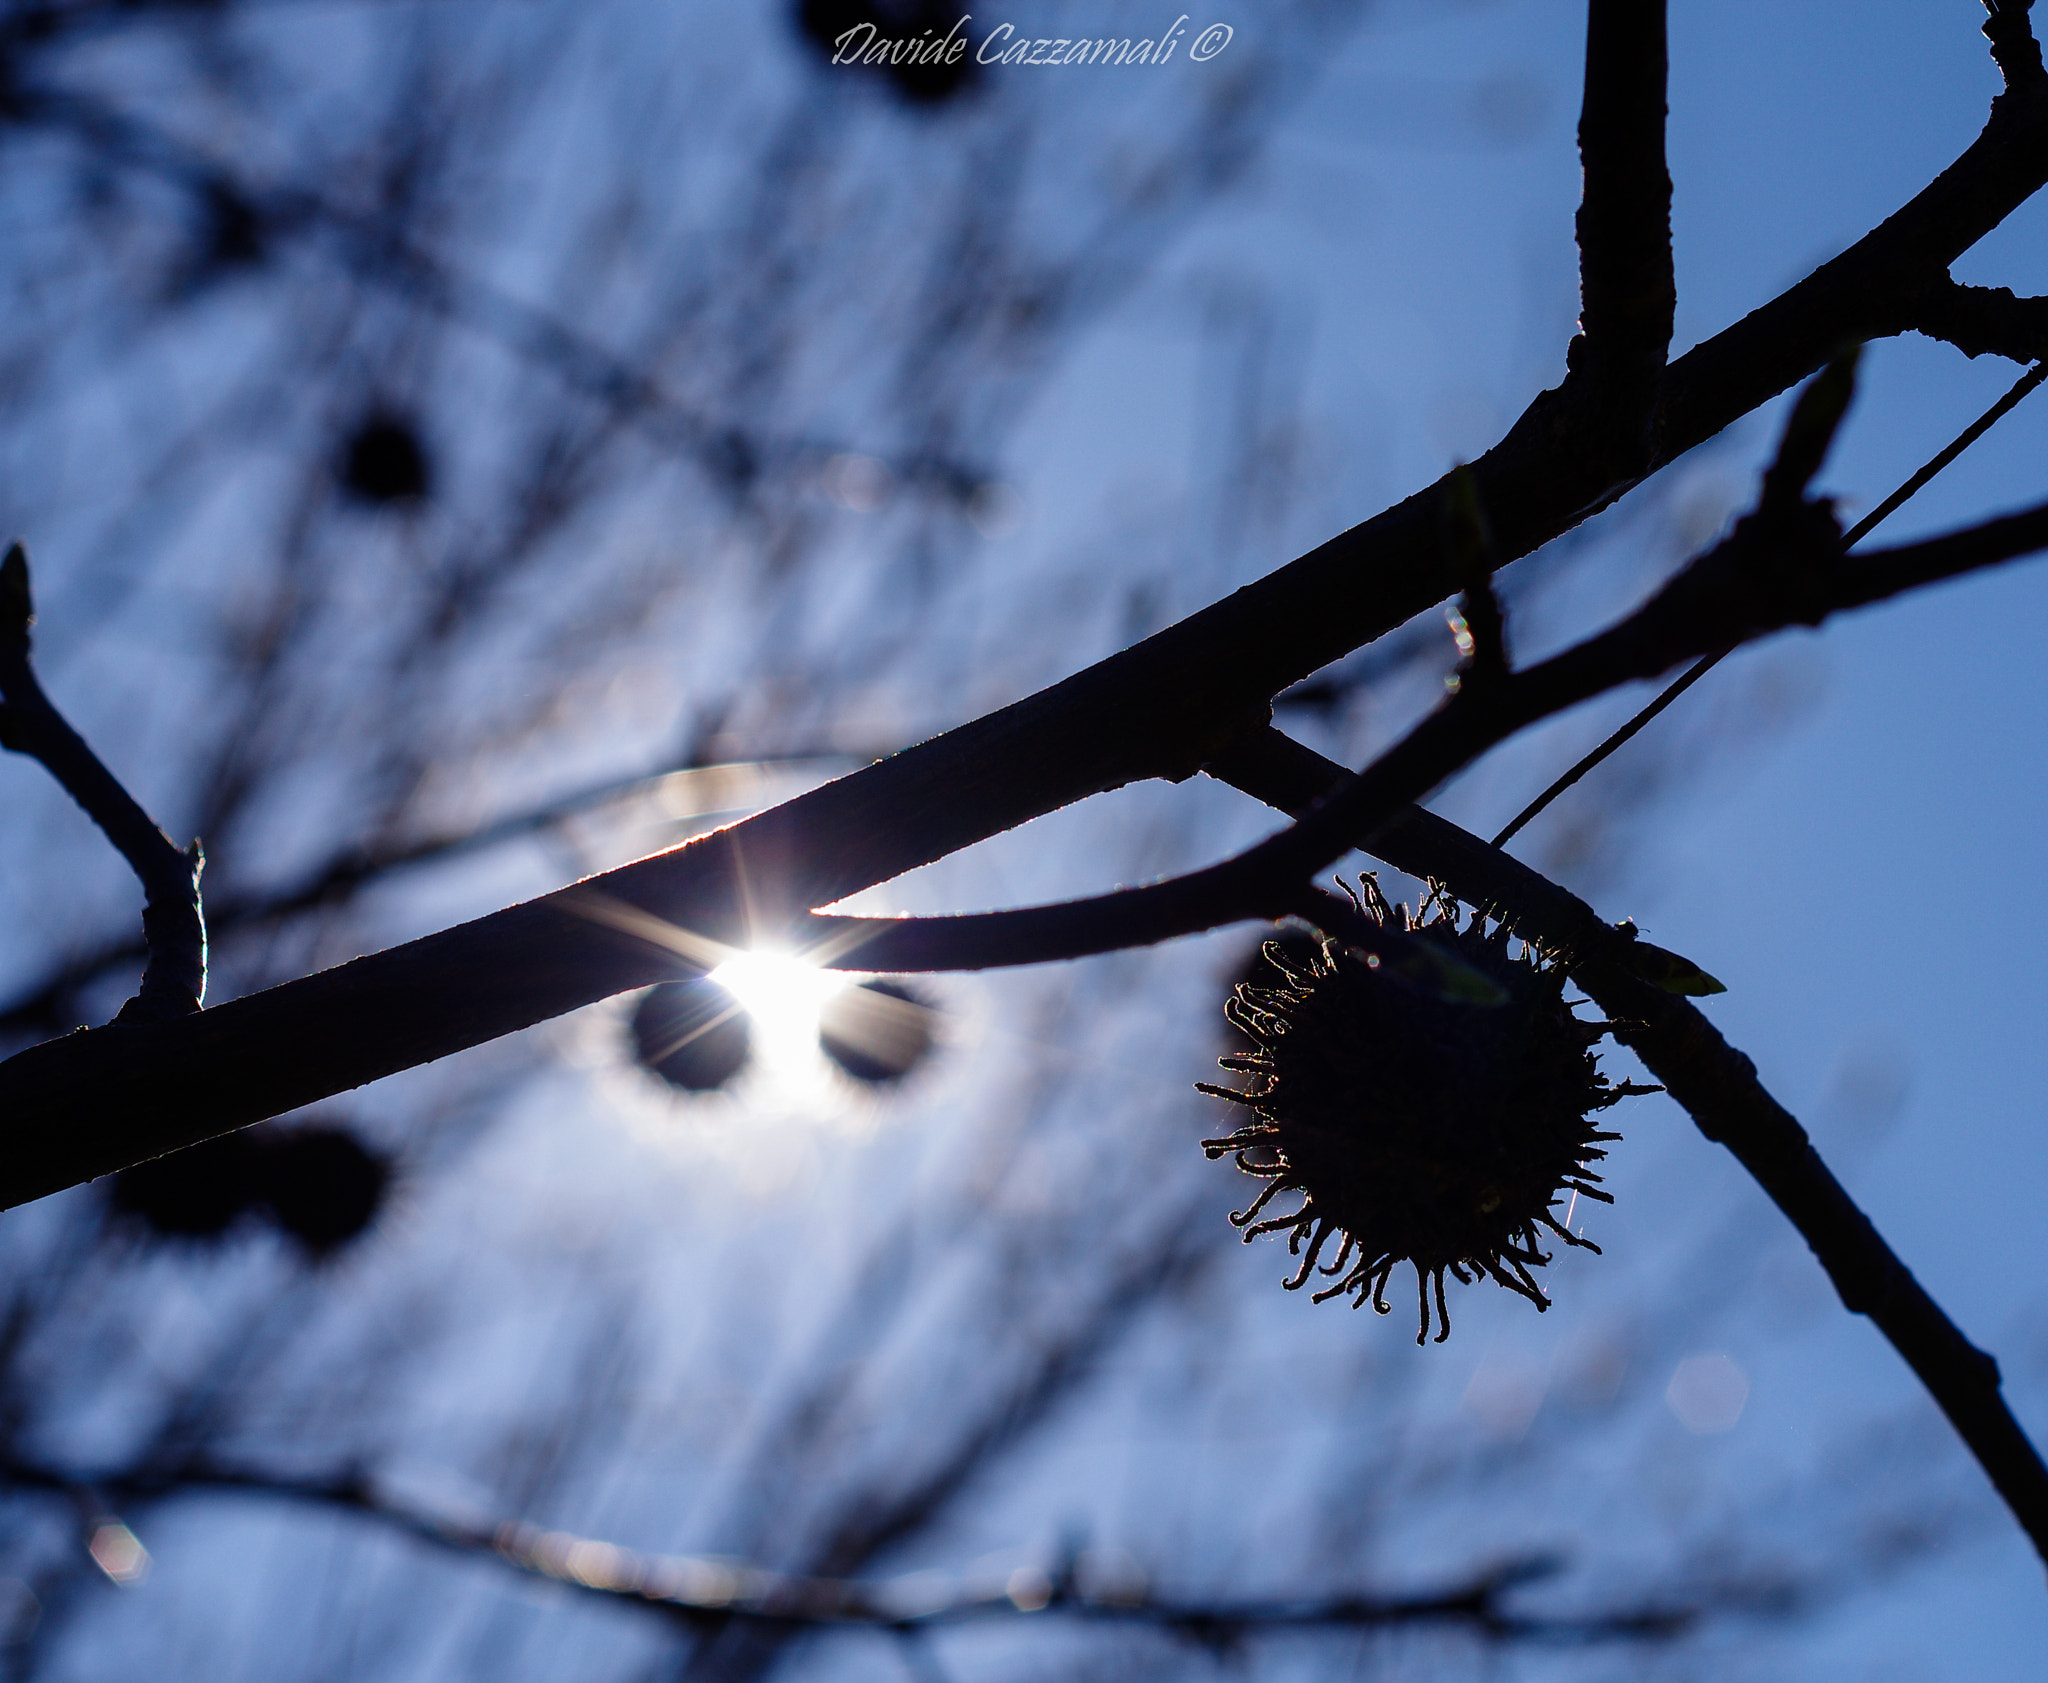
(783, 995)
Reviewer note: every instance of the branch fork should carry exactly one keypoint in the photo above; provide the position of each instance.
(173, 920)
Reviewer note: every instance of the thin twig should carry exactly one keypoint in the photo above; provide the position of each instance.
(1676, 688)
(1947, 454)
(173, 924)
(1862, 529)
(1717, 1086)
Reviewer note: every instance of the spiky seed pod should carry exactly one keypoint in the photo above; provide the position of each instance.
(1416, 1129)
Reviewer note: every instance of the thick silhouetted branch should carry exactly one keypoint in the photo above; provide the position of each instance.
(91, 1103)
(1162, 708)
(1715, 1083)
(1984, 319)
(173, 926)
(342, 875)
(1628, 295)
(2013, 47)
(700, 1591)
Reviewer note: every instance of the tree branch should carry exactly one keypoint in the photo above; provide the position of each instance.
(1161, 708)
(1628, 294)
(1717, 1086)
(173, 925)
(1868, 292)
(1919, 478)
(695, 792)
(1980, 319)
(1781, 566)
(2013, 47)
(91, 1103)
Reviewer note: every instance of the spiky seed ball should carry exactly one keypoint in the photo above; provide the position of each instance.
(1416, 1129)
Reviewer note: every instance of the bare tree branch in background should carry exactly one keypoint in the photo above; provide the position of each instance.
(704, 1595)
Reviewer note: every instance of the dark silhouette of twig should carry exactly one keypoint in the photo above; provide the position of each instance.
(1677, 687)
(1718, 1088)
(1947, 454)
(1628, 292)
(1862, 529)
(173, 924)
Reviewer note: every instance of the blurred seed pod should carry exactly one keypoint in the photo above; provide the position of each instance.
(926, 71)
(197, 1193)
(877, 1032)
(323, 1186)
(384, 461)
(692, 1034)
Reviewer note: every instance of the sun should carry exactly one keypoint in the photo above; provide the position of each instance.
(783, 995)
